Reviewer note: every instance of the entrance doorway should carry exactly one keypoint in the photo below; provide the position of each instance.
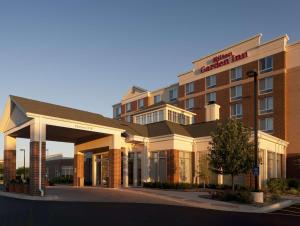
(134, 172)
(102, 171)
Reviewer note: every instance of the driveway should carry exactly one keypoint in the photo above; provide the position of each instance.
(98, 194)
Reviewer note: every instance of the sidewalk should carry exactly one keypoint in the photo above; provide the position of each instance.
(192, 199)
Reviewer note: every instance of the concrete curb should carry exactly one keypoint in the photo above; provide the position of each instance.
(277, 206)
(219, 205)
(28, 197)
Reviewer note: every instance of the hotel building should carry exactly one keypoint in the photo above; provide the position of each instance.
(164, 134)
(221, 77)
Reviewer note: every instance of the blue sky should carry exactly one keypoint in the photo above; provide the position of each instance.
(86, 54)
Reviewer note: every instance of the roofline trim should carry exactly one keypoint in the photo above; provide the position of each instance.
(229, 47)
(33, 115)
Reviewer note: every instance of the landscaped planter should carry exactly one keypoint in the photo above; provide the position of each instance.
(26, 188)
(258, 197)
(11, 187)
(19, 188)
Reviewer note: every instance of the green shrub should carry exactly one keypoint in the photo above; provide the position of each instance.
(165, 185)
(277, 185)
(61, 180)
(293, 183)
(274, 198)
(237, 196)
(292, 191)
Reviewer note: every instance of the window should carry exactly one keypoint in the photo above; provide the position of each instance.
(236, 110)
(236, 74)
(194, 119)
(141, 103)
(266, 105)
(138, 119)
(128, 107)
(157, 99)
(236, 92)
(67, 171)
(271, 164)
(172, 94)
(117, 111)
(149, 118)
(160, 115)
(279, 167)
(211, 81)
(185, 169)
(266, 85)
(211, 97)
(266, 124)
(266, 64)
(189, 88)
(128, 118)
(189, 103)
(158, 166)
(177, 117)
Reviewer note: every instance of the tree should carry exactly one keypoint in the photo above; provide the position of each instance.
(20, 171)
(203, 172)
(231, 151)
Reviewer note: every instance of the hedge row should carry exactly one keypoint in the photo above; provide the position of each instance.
(163, 185)
(281, 185)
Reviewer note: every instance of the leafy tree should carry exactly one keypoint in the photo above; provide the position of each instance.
(204, 172)
(20, 171)
(231, 151)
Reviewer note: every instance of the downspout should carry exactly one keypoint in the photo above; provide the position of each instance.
(40, 159)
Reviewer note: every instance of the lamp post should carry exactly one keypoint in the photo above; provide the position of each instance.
(24, 163)
(253, 74)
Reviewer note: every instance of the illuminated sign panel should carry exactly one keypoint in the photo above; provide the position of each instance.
(221, 60)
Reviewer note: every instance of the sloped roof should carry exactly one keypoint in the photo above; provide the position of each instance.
(149, 130)
(53, 110)
(202, 129)
(166, 128)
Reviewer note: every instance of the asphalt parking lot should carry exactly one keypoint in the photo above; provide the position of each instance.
(293, 211)
(16, 212)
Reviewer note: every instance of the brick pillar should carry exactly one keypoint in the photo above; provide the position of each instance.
(9, 166)
(34, 167)
(249, 180)
(9, 159)
(78, 177)
(173, 166)
(114, 168)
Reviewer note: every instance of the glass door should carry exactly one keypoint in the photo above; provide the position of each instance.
(102, 170)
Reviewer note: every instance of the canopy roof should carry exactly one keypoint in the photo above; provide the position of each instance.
(26, 108)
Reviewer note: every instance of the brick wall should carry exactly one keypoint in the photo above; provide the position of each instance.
(9, 165)
(114, 168)
(173, 166)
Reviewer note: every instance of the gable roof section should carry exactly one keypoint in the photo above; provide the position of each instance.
(202, 129)
(150, 130)
(53, 110)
